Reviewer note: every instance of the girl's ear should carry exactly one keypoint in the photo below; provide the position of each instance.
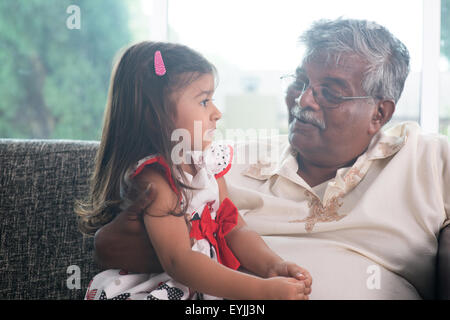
(382, 113)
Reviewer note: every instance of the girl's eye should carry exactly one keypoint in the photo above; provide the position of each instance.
(205, 102)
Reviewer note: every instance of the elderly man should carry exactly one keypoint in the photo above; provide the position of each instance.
(359, 207)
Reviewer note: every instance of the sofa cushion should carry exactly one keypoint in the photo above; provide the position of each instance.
(40, 240)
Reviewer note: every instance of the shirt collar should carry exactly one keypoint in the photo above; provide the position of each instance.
(384, 144)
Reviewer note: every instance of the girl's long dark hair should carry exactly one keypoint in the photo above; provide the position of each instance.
(138, 121)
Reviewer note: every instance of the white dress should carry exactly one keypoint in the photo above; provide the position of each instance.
(209, 222)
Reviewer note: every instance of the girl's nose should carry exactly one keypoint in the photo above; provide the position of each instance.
(216, 115)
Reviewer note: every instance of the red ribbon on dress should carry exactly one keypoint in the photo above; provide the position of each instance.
(215, 231)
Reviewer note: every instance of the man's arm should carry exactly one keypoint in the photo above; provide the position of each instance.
(124, 244)
(443, 255)
(443, 265)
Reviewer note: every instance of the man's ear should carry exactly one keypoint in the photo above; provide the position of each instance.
(382, 113)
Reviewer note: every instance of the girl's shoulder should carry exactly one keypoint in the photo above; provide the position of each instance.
(219, 157)
(154, 179)
(153, 169)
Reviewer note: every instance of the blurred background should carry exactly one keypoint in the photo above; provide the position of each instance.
(56, 56)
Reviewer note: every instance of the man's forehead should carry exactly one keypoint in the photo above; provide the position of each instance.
(346, 67)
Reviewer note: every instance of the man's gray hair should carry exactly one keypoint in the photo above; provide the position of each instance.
(387, 57)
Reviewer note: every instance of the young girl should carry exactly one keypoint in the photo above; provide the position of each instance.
(200, 239)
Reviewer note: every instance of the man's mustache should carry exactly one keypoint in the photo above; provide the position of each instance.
(308, 116)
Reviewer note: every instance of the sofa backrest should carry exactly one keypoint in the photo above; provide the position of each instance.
(42, 253)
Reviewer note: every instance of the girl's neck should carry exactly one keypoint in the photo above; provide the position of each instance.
(189, 168)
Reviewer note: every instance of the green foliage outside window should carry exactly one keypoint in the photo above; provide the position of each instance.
(54, 80)
(445, 28)
(444, 127)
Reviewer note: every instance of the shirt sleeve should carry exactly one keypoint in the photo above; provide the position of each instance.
(445, 165)
(219, 159)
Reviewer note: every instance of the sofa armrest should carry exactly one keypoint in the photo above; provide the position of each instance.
(443, 265)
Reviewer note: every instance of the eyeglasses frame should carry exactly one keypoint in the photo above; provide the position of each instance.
(297, 100)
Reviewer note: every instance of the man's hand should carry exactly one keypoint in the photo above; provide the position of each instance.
(117, 248)
(124, 244)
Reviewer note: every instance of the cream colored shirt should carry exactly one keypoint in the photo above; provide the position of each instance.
(370, 232)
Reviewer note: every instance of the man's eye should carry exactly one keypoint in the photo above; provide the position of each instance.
(330, 95)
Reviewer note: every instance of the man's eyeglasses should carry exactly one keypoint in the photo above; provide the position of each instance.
(324, 96)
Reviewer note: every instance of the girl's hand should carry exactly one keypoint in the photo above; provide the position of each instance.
(290, 269)
(283, 288)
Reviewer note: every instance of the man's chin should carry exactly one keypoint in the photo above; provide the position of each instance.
(303, 139)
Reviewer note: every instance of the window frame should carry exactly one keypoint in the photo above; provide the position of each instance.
(431, 48)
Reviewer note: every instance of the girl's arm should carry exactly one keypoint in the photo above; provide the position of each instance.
(170, 238)
(254, 254)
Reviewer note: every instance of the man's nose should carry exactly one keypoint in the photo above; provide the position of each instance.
(306, 99)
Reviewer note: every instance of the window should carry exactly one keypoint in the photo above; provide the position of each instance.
(56, 60)
(444, 68)
(253, 43)
(56, 56)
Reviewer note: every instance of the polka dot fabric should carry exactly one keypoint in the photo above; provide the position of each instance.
(219, 158)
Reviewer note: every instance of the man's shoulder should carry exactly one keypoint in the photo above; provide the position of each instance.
(420, 142)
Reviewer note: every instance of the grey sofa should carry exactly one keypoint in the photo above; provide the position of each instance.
(41, 249)
(40, 242)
